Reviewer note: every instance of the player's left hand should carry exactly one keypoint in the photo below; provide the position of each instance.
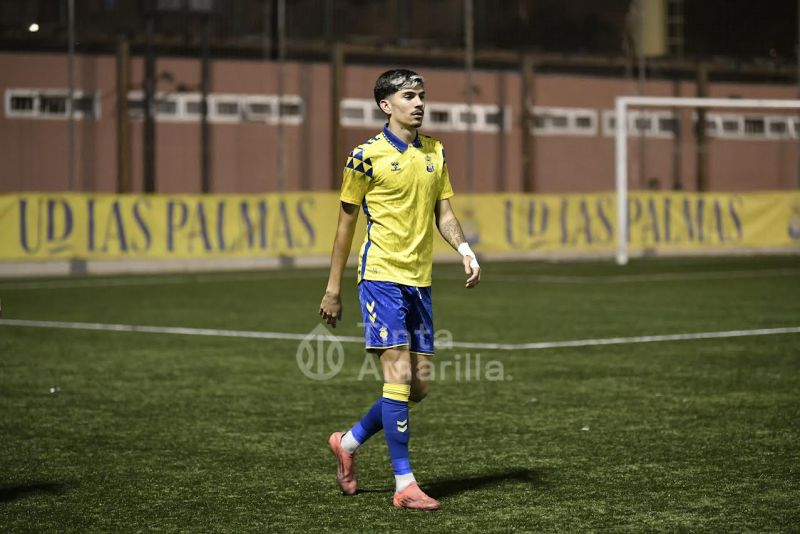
(330, 309)
(473, 272)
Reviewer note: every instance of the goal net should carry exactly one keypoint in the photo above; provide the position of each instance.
(717, 162)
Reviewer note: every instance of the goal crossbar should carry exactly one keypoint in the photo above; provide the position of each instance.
(623, 103)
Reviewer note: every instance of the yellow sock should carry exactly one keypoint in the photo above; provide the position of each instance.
(398, 392)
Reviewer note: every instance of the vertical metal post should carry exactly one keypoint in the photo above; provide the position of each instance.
(469, 63)
(71, 95)
(640, 90)
(701, 141)
(337, 75)
(306, 92)
(401, 16)
(266, 42)
(123, 120)
(281, 159)
(621, 167)
(797, 120)
(205, 134)
(528, 132)
(500, 138)
(328, 20)
(149, 108)
(677, 141)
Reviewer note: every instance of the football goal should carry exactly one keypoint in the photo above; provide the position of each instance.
(736, 135)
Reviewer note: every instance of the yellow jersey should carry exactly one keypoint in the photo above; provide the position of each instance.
(397, 186)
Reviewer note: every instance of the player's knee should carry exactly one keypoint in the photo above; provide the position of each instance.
(397, 373)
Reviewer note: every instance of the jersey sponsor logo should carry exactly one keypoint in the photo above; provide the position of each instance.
(396, 166)
(429, 166)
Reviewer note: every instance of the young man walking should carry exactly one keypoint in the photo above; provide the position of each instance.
(399, 179)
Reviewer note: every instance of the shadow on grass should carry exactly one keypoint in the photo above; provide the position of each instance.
(20, 491)
(453, 486)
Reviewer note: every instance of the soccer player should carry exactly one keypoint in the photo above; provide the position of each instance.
(400, 180)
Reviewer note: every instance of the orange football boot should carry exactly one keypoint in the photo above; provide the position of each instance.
(414, 498)
(346, 466)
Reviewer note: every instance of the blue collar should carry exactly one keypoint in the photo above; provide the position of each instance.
(398, 143)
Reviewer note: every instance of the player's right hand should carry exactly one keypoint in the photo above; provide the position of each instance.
(330, 309)
(472, 270)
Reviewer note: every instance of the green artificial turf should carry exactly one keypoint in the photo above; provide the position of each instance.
(186, 433)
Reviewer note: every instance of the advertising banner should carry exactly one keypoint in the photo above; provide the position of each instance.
(46, 226)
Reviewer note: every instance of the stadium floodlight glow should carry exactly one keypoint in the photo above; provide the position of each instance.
(623, 103)
(33, 28)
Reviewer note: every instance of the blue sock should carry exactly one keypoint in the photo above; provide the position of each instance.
(370, 424)
(396, 425)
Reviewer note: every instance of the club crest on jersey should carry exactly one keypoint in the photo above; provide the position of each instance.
(429, 167)
(396, 166)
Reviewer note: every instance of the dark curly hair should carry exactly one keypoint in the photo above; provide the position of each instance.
(394, 80)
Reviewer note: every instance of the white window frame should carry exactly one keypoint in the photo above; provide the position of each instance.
(571, 115)
(794, 126)
(180, 114)
(480, 124)
(505, 114)
(214, 100)
(584, 113)
(653, 131)
(37, 94)
(371, 119)
(439, 107)
(256, 116)
(292, 120)
(722, 118)
(244, 102)
(780, 119)
(366, 107)
(24, 93)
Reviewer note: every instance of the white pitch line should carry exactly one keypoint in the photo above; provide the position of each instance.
(630, 340)
(213, 332)
(357, 339)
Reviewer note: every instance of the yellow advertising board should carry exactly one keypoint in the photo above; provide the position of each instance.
(43, 226)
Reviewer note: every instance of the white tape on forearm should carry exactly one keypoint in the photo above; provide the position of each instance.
(465, 250)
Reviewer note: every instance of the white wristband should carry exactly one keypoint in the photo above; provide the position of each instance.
(465, 250)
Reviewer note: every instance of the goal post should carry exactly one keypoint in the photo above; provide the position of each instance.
(623, 105)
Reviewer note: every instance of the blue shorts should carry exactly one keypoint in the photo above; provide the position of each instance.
(396, 315)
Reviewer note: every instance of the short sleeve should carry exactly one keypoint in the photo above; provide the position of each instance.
(447, 189)
(355, 181)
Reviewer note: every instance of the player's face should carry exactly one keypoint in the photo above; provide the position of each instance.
(407, 106)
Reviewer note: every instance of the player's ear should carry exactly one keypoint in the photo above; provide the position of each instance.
(385, 106)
